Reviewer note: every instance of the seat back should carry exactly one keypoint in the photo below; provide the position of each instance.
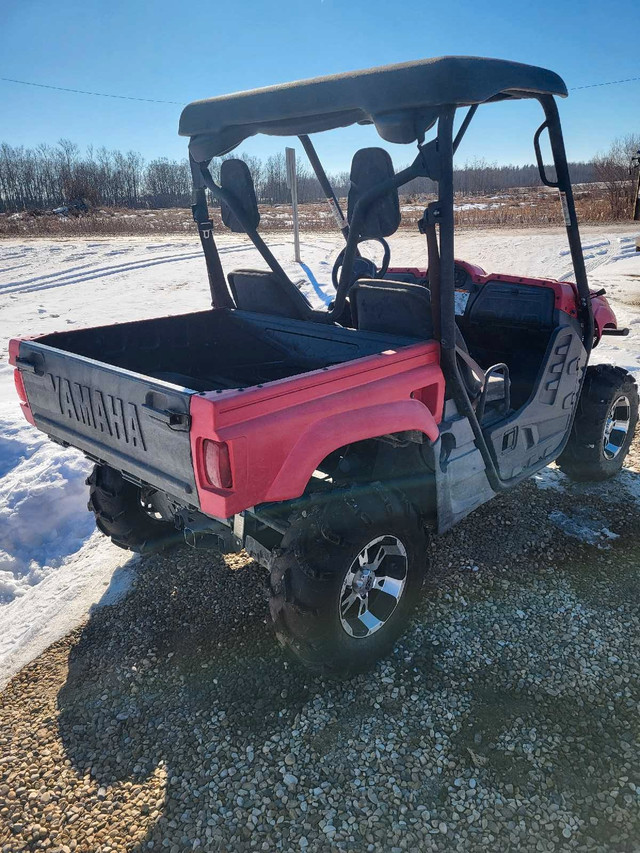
(369, 168)
(264, 292)
(236, 179)
(393, 307)
(399, 308)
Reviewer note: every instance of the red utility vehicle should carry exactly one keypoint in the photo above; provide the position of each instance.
(330, 443)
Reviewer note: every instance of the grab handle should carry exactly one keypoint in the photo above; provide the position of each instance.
(536, 146)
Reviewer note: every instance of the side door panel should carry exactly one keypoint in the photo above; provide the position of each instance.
(533, 436)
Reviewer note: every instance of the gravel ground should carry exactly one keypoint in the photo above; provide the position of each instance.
(507, 717)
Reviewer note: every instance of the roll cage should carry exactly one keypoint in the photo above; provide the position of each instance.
(426, 94)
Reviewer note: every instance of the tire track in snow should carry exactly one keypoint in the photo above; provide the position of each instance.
(70, 272)
(42, 278)
(595, 255)
(51, 280)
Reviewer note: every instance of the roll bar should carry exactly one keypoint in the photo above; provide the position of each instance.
(435, 161)
(327, 189)
(563, 184)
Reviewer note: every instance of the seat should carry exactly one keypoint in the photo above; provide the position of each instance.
(392, 307)
(401, 308)
(264, 292)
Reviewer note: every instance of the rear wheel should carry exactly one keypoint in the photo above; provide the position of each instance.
(346, 579)
(126, 513)
(604, 425)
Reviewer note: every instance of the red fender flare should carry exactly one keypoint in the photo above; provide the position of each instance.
(328, 434)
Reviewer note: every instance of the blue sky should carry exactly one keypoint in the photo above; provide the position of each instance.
(184, 51)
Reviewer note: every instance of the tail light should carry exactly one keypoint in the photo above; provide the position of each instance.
(217, 465)
(14, 352)
(19, 383)
(22, 396)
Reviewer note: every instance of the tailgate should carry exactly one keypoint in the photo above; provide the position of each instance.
(133, 423)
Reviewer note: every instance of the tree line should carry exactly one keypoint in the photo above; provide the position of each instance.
(615, 171)
(48, 176)
(479, 178)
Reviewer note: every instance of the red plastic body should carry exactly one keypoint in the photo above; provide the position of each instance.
(566, 293)
(603, 316)
(278, 434)
(14, 348)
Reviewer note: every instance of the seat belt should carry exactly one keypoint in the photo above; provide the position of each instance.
(427, 226)
(473, 366)
(220, 296)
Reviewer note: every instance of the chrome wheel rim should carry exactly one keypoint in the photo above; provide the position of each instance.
(373, 586)
(616, 427)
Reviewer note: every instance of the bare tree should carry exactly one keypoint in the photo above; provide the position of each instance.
(167, 183)
(614, 170)
(274, 188)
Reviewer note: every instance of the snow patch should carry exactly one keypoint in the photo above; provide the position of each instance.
(584, 526)
(98, 575)
(43, 514)
(586, 247)
(550, 478)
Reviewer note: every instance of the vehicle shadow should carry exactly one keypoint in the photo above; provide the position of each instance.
(157, 684)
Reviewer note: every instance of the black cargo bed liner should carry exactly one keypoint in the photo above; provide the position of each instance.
(220, 349)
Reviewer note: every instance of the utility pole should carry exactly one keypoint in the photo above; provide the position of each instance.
(635, 164)
(292, 183)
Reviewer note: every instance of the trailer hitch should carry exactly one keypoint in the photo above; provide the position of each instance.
(204, 533)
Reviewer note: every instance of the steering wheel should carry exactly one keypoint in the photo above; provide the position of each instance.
(379, 273)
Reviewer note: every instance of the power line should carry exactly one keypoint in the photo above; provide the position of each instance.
(608, 83)
(83, 92)
(179, 103)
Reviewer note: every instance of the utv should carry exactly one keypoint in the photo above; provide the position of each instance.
(329, 444)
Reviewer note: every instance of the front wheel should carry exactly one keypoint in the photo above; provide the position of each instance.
(347, 577)
(604, 425)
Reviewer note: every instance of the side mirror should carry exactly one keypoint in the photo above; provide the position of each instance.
(235, 179)
(370, 167)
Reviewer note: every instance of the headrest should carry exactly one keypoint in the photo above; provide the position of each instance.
(236, 179)
(370, 167)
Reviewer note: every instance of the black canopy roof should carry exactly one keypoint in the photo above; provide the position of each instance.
(402, 101)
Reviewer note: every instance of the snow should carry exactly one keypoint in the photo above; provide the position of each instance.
(587, 527)
(36, 532)
(99, 574)
(53, 565)
(471, 205)
(478, 205)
